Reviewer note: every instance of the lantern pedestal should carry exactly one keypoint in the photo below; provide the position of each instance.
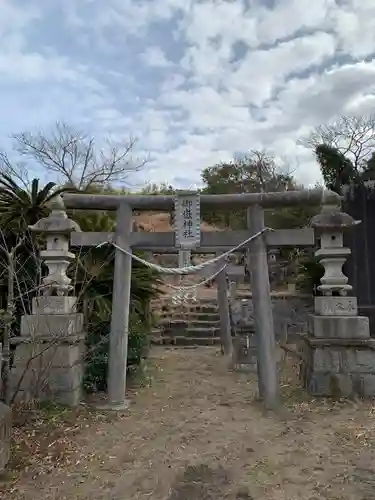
(338, 356)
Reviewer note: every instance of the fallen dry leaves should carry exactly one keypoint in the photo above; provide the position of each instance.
(45, 438)
(197, 428)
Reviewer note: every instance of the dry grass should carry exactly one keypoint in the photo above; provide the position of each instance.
(197, 432)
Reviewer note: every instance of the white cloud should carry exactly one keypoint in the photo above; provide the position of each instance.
(154, 56)
(291, 16)
(195, 81)
(261, 71)
(354, 27)
(15, 18)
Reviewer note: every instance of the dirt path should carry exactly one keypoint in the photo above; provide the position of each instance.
(197, 433)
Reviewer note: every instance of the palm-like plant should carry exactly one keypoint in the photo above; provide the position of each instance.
(93, 275)
(20, 207)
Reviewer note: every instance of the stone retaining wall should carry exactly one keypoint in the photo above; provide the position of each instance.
(290, 312)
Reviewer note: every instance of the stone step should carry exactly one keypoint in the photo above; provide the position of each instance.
(182, 341)
(191, 323)
(190, 332)
(190, 317)
(177, 325)
(193, 341)
(202, 301)
(202, 332)
(189, 309)
(199, 323)
(198, 341)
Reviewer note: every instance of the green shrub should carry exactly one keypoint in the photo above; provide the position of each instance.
(94, 281)
(96, 363)
(309, 274)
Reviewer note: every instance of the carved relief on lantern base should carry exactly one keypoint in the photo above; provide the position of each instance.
(336, 306)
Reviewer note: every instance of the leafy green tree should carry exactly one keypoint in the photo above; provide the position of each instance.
(153, 188)
(345, 150)
(336, 169)
(353, 136)
(369, 169)
(252, 174)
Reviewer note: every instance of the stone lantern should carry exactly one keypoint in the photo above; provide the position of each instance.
(329, 226)
(338, 353)
(48, 362)
(57, 229)
(273, 254)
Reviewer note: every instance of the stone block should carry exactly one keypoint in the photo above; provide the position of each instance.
(5, 434)
(55, 326)
(48, 373)
(47, 304)
(342, 360)
(328, 384)
(336, 306)
(62, 388)
(339, 384)
(366, 385)
(55, 355)
(70, 398)
(345, 327)
(39, 377)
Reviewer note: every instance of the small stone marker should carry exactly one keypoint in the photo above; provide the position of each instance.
(5, 434)
(244, 343)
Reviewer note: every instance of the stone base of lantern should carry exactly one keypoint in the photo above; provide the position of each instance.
(338, 356)
(49, 356)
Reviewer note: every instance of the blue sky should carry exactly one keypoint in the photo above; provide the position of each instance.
(194, 81)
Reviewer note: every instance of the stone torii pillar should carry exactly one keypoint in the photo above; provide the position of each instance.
(118, 339)
(268, 380)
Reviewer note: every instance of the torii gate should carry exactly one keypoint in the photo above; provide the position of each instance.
(210, 242)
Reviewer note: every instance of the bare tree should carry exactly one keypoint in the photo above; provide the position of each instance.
(74, 158)
(17, 171)
(353, 136)
(270, 175)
